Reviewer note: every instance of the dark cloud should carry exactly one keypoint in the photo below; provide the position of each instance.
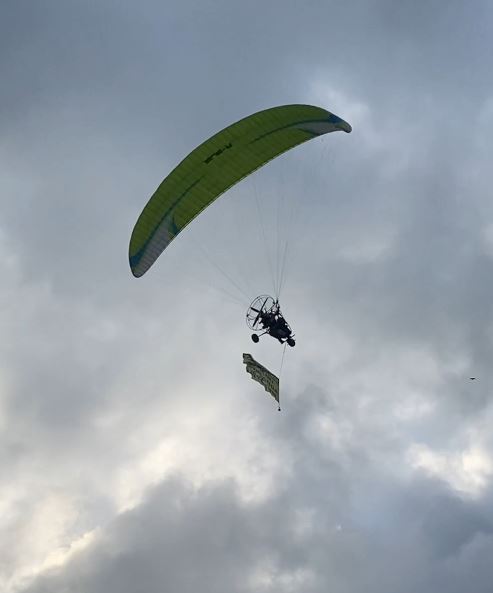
(381, 535)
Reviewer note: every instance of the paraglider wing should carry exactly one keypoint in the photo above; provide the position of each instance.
(216, 165)
(262, 375)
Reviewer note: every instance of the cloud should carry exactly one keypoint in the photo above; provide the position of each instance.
(133, 448)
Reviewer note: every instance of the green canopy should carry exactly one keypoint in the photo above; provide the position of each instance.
(216, 165)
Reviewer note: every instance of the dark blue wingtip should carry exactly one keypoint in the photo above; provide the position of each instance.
(134, 260)
(340, 123)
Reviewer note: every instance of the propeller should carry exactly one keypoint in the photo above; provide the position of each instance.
(258, 312)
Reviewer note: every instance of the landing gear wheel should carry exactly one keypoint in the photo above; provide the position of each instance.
(290, 341)
(255, 338)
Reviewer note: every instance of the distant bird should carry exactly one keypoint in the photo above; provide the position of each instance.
(472, 378)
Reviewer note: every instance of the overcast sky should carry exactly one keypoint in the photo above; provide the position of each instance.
(136, 454)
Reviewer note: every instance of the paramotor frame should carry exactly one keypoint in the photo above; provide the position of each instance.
(264, 317)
